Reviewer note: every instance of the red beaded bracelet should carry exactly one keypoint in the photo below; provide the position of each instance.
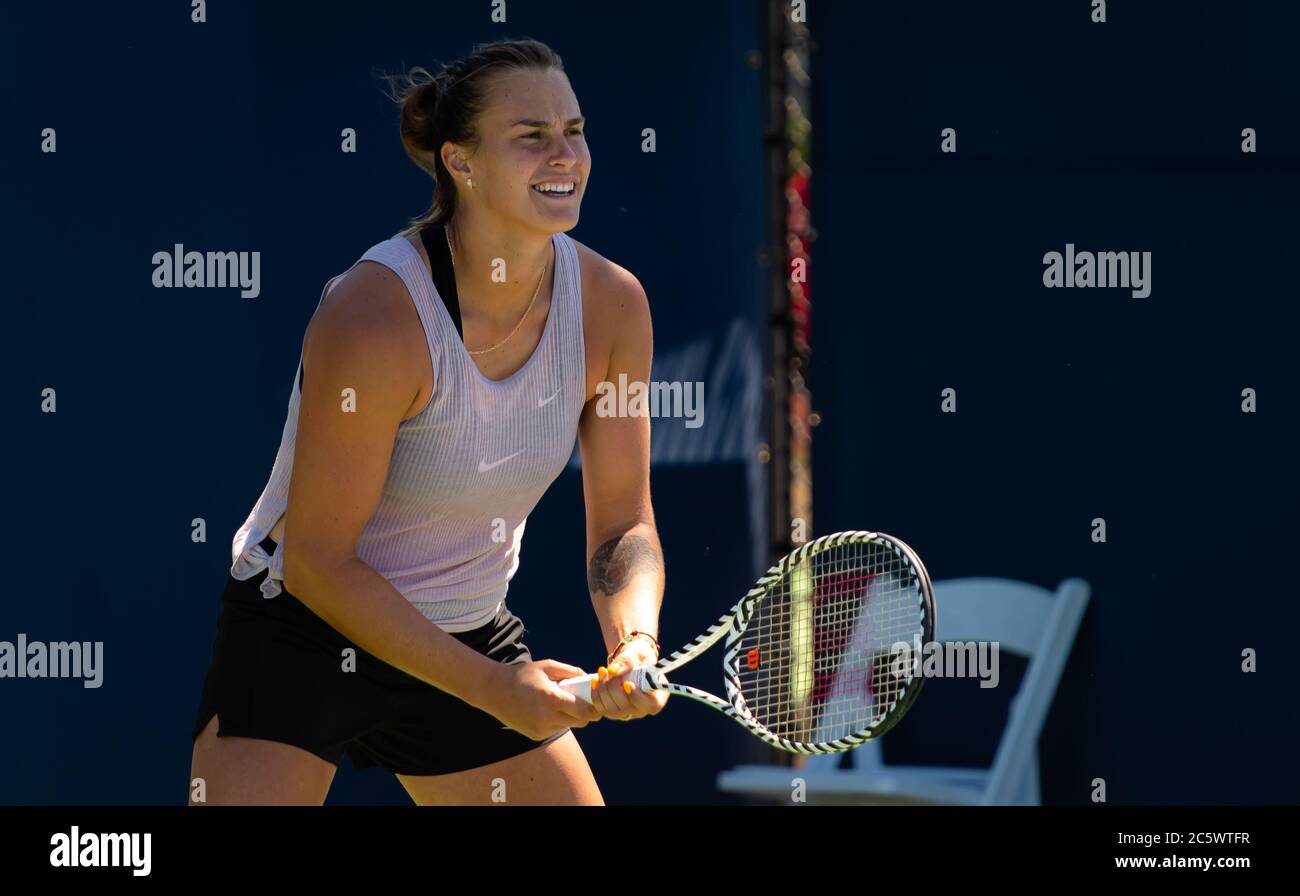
(627, 639)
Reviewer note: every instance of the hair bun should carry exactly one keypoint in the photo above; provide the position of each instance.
(442, 83)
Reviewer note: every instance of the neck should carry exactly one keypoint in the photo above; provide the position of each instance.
(523, 258)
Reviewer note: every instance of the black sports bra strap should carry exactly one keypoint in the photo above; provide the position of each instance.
(435, 246)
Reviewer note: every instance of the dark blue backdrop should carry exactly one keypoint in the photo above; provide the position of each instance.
(1080, 403)
(1072, 404)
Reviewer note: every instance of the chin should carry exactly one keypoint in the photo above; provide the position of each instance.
(557, 223)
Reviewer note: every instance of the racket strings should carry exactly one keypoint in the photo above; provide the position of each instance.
(817, 659)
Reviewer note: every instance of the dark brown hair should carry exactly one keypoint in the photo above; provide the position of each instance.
(445, 107)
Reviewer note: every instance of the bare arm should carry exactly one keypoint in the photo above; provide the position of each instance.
(339, 468)
(625, 570)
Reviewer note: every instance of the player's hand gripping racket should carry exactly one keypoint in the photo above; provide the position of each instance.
(823, 653)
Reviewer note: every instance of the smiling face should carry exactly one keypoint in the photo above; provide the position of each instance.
(531, 166)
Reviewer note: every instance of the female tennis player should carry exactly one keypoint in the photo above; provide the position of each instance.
(443, 380)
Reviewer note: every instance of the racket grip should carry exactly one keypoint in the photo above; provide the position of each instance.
(580, 685)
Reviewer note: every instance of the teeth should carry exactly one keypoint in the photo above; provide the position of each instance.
(554, 188)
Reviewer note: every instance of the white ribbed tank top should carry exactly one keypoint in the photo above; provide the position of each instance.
(466, 471)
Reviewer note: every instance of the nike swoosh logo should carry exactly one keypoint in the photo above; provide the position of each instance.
(484, 466)
(543, 402)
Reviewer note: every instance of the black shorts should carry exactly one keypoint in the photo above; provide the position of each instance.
(277, 673)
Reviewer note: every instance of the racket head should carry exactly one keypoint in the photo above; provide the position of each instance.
(825, 651)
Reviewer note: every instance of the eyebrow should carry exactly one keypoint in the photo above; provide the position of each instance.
(535, 123)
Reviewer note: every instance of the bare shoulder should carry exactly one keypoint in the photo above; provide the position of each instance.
(608, 288)
(368, 315)
(615, 318)
(370, 296)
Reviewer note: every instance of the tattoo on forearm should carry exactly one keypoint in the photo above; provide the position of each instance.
(617, 560)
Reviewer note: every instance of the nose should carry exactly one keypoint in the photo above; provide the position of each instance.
(564, 153)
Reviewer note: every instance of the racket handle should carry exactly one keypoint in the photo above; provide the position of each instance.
(580, 685)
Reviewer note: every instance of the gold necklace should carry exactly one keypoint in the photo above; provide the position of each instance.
(536, 293)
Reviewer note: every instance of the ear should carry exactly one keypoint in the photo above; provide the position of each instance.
(453, 159)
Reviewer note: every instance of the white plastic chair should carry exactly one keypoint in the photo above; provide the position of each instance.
(1025, 620)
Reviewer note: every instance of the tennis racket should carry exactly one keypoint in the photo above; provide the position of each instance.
(823, 653)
